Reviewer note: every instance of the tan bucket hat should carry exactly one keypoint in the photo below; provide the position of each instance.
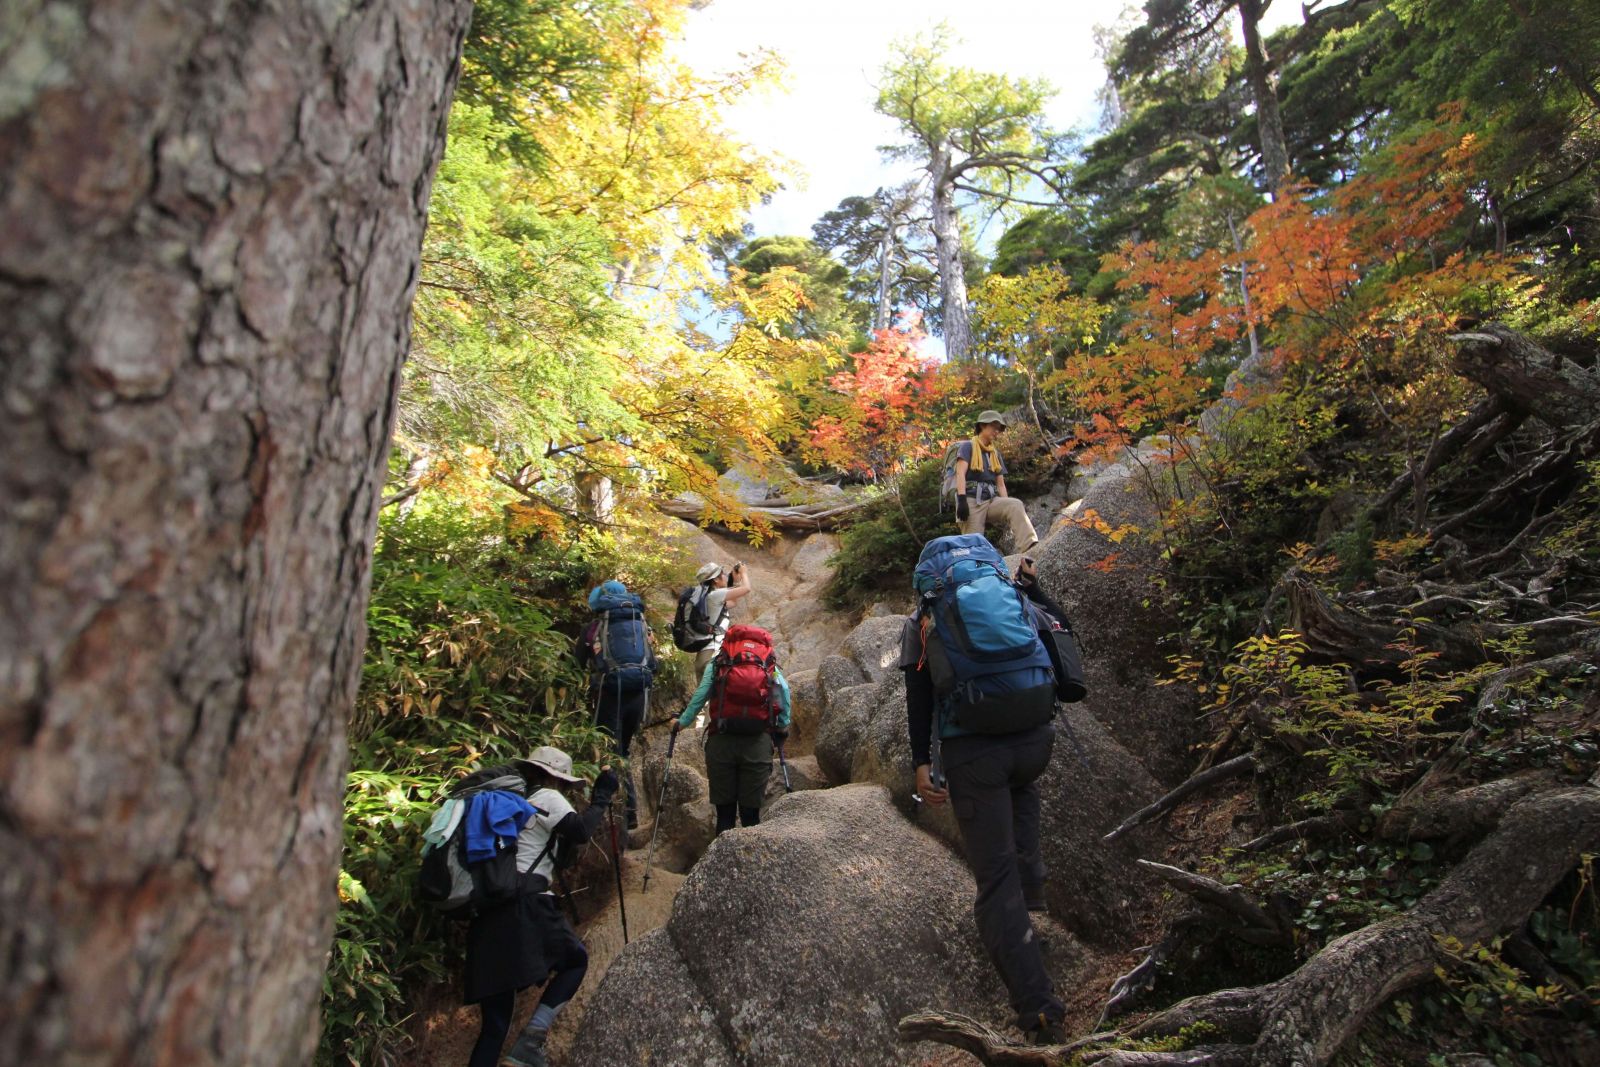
(552, 761)
(991, 415)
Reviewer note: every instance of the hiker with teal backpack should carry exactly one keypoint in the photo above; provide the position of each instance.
(975, 476)
(981, 693)
(746, 700)
(616, 649)
(524, 940)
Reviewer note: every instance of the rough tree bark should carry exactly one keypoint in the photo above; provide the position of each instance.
(1264, 90)
(212, 217)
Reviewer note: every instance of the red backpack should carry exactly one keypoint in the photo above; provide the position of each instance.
(743, 696)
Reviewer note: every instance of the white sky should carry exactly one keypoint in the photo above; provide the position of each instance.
(834, 49)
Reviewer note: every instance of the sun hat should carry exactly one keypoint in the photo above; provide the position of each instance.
(709, 573)
(989, 416)
(552, 761)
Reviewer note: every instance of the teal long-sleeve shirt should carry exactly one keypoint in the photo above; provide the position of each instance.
(703, 693)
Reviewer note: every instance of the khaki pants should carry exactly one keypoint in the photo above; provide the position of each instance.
(1007, 510)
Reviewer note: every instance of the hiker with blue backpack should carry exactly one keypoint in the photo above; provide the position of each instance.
(975, 475)
(746, 700)
(982, 681)
(515, 821)
(616, 649)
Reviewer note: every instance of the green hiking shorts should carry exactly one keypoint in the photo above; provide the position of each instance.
(738, 767)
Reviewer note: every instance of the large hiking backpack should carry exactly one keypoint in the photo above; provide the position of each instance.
(744, 696)
(692, 626)
(452, 883)
(624, 662)
(990, 670)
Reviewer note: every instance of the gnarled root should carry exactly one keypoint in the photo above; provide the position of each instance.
(1304, 1018)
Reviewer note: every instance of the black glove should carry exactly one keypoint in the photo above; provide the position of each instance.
(605, 787)
(676, 726)
(780, 736)
(962, 509)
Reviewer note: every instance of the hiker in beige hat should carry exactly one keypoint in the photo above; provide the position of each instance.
(980, 485)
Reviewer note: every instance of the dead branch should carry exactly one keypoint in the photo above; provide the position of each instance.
(984, 1042)
(1256, 926)
(1304, 830)
(1465, 811)
(1491, 416)
(1245, 764)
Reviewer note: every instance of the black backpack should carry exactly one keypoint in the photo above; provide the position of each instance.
(692, 628)
(451, 884)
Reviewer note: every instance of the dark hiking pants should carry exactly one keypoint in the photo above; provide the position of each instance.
(995, 797)
(621, 715)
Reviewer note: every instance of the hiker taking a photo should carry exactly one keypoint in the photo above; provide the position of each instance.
(746, 700)
(975, 474)
(520, 942)
(703, 618)
(981, 691)
(616, 649)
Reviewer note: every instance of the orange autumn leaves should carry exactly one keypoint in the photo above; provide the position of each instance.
(1360, 281)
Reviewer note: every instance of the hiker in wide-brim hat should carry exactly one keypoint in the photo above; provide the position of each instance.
(527, 941)
(976, 476)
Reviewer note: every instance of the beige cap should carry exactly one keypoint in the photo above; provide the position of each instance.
(989, 416)
(552, 761)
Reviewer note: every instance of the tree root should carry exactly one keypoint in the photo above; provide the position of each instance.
(1305, 829)
(1238, 765)
(1303, 1019)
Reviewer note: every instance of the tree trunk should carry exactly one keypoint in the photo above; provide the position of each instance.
(1264, 89)
(212, 218)
(947, 247)
(880, 315)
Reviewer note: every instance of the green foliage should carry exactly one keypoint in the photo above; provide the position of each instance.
(466, 666)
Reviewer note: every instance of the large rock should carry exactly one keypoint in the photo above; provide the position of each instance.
(1091, 785)
(843, 729)
(648, 1012)
(799, 942)
(1116, 610)
(874, 646)
(685, 821)
(805, 710)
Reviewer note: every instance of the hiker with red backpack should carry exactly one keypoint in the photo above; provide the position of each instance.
(982, 682)
(746, 700)
(616, 649)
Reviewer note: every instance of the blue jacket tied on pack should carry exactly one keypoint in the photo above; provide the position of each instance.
(493, 814)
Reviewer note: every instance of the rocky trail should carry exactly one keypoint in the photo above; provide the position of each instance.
(806, 939)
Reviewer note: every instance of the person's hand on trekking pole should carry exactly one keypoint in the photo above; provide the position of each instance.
(926, 789)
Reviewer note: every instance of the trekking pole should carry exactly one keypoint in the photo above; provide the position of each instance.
(666, 771)
(616, 861)
(783, 765)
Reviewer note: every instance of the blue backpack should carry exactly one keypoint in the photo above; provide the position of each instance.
(990, 671)
(625, 660)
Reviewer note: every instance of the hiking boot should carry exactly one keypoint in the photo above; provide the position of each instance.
(1046, 1030)
(528, 1051)
(1034, 899)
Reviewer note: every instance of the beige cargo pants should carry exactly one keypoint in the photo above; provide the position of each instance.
(1007, 511)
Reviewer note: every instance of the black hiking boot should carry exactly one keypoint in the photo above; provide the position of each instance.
(1046, 1029)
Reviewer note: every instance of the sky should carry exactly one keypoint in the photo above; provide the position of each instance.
(823, 120)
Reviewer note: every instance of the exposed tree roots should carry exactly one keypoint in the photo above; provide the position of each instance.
(1304, 1018)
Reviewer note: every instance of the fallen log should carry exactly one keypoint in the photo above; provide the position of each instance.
(807, 518)
(1527, 376)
